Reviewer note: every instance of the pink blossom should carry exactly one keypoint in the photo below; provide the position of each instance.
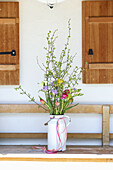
(57, 103)
(65, 94)
(67, 91)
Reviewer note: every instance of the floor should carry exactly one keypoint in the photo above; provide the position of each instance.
(70, 150)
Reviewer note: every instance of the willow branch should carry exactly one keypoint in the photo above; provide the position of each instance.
(40, 65)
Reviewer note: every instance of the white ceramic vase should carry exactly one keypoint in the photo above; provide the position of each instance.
(57, 132)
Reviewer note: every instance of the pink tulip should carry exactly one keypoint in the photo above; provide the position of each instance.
(57, 103)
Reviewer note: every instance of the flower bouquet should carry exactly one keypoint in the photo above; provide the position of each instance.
(60, 79)
(59, 85)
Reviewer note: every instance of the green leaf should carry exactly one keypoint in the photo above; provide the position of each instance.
(48, 104)
(71, 106)
(16, 88)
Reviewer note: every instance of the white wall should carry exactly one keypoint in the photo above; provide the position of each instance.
(36, 19)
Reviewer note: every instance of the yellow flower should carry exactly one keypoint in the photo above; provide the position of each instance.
(60, 81)
(70, 97)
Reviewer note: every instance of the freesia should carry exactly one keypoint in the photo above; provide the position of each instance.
(45, 88)
(65, 94)
(52, 84)
(67, 91)
(54, 91)
(60, 81)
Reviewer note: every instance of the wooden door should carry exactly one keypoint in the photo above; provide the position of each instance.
(9, 43)
(98, 42)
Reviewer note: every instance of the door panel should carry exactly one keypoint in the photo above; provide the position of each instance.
(9, 40)
(98, 37)
(7, 43)
(9, 9)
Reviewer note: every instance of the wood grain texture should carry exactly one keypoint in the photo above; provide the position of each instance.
(44, 135)
(111, 109)
(7, 21)
(105, 126)
(70, 149)
(87, 6)
(9, 40)
(56, 159)
(84, 136)
(111, 136)
(100, 20)
(83, 43)
(98, 35)
(9, 9)
(9, 67)
(87, 109)
(24, 135)
(33, 108)
(101, 66)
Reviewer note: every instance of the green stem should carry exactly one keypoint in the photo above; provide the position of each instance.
(62, 106)
(31, 98)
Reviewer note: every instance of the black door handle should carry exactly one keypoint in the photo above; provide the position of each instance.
(90, 52)
(13, 53)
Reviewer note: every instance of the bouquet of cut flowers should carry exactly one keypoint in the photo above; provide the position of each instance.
(60, 80)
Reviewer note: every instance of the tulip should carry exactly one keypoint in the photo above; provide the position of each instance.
(42, 101)
(57, 103)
